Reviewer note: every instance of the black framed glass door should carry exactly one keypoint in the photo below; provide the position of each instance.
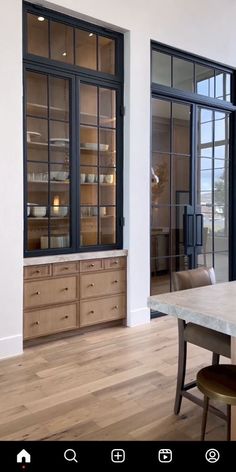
(212, 190)
(171, 190)
(189, 191)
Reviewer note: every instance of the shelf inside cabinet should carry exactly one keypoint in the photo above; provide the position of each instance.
(100, 184)
(36, 107)
(57, 182)
(96, 150)
(104, 118)
(56, 147)
(95, 217)
(45, 218)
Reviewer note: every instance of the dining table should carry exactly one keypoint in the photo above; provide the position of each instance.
(212, 306)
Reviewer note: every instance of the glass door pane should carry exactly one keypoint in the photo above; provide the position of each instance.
(97, 165)
(212, 188)
(170, 190)
(48, 162)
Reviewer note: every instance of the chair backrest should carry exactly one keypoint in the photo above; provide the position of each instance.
(193, 278)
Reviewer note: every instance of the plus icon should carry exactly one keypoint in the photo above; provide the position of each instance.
(118, 455)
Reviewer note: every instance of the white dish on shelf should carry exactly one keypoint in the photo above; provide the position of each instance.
(59, 175)
(59, 141)
(94, 146)
(38, 211)
(32, 134)
(57, 211)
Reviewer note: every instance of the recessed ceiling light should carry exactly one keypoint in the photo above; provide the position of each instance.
(64, 53)
(41, 18)
(90, 34)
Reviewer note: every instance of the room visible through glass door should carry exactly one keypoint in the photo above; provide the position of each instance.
(212, 189)
(171, 190)
(189, 191)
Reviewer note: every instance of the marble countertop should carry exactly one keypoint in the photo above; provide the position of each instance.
(212, 306)
(28, 261)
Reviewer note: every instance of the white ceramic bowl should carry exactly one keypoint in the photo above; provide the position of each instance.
(38, 211)
(59, 141)
(59, 175)
(59, 211)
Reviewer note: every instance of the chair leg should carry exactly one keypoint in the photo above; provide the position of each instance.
(215, 358)
(181, 367)
(228, 422)
(204, 417)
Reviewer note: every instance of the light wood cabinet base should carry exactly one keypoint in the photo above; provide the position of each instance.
(55, 301)
(101, 310)
(51, 320)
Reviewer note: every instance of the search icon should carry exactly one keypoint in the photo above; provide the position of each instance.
(70, 455)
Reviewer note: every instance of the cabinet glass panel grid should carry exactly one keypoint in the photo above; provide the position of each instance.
(71, 157)
(48, 161)
(97, 165)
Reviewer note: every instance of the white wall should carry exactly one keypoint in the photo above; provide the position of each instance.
(202, 27)
(11, 189)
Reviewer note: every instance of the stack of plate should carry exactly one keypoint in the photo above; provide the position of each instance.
(62, 240)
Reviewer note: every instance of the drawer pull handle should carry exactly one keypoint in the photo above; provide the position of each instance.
(91, 312)
(66, 288)
(37, 293)
(116, 262)
(66, 317)
(115, 282)
(37, 271)
(65, 268)
(91, 285)
(91, 265)
(36, 323)
(115, 307)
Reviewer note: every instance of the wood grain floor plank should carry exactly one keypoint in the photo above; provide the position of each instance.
(112, 384)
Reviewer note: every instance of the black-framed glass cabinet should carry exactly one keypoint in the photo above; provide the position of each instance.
(73, 134)
(192, 167)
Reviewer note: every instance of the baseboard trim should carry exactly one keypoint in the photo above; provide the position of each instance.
(138, 317)
(11, 346)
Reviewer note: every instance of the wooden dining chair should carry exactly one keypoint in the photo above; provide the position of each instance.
(217, 343)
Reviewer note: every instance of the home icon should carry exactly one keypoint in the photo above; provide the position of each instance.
(23, 456)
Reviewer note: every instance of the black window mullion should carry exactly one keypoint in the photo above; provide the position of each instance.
(98, 169)
(49, 166)
(212, 190)
(97, 46)
(49, 38)
(76, 189)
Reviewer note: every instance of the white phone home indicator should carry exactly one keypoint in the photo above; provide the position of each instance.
(23, 456)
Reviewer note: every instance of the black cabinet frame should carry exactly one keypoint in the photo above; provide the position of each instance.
(77, 74)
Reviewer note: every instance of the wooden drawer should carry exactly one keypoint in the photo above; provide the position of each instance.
(115, 263)
(104, 283)
(88, 266)
(51, 291)
(64, 268)
(38, 271)
(101, 310)
(48, 321)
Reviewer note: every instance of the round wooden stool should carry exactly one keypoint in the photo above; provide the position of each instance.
(217, 382)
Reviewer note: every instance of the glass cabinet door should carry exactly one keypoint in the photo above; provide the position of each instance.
(97, 165)
(48, 201)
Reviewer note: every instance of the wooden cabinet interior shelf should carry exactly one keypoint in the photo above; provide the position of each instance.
(56, 147)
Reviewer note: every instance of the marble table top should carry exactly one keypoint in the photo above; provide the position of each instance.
(213, 306)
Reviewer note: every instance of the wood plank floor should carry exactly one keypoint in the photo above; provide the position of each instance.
(113, 384)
